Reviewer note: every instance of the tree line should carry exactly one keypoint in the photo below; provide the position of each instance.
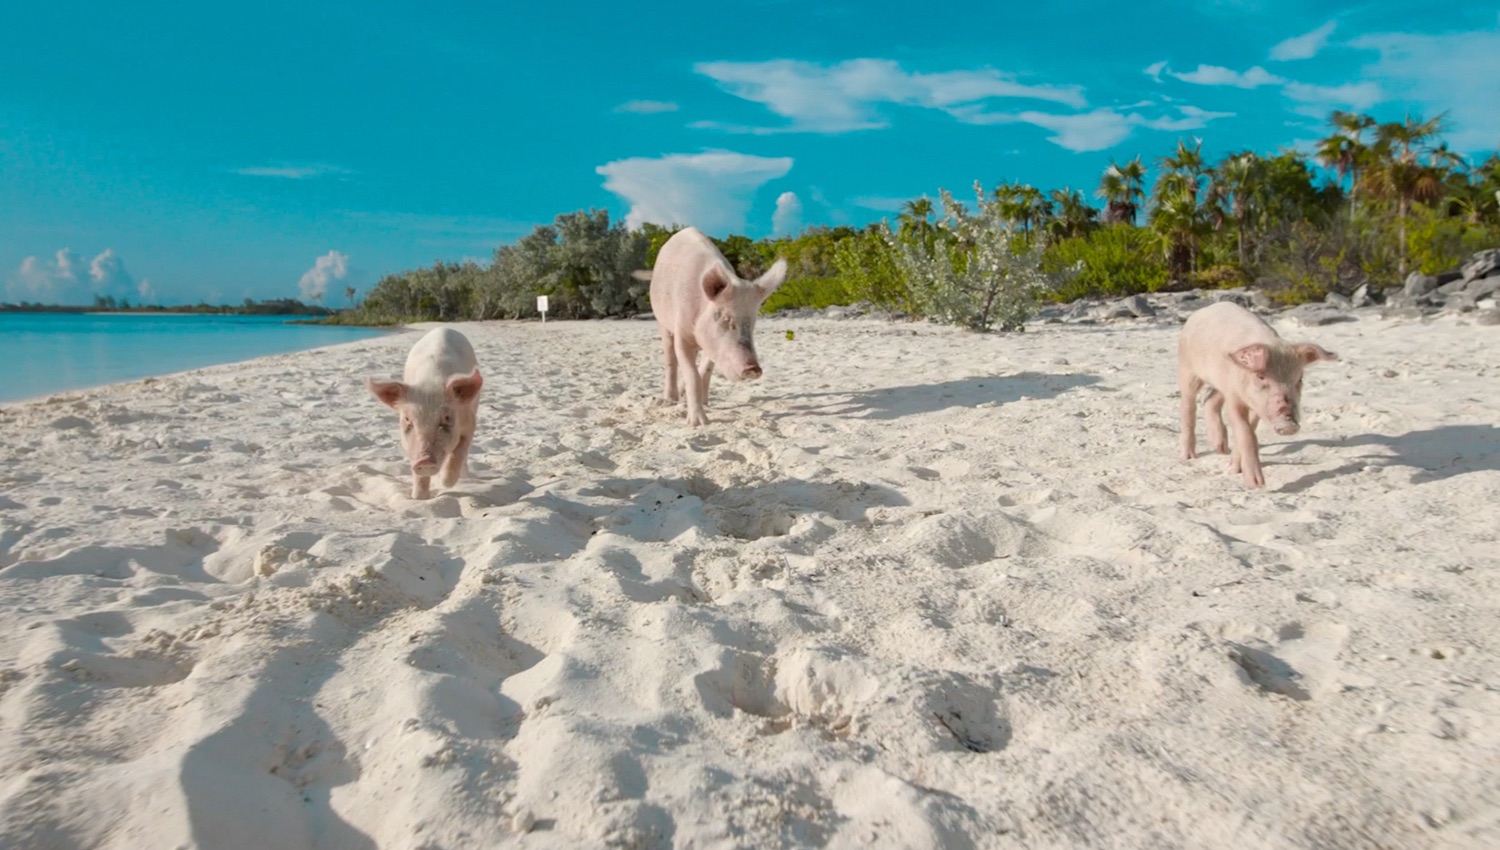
(1373, 202)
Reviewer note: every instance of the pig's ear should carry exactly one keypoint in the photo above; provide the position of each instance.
(715, 281)
(1253, 357)
(465, 387)
(771, 280)
(390, 393)
(1310, 353)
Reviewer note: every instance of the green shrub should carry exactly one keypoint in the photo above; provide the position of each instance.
(1439, 243)
(1117, 260)
(809, 292)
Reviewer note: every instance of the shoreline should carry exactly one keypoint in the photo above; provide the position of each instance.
(941, 588)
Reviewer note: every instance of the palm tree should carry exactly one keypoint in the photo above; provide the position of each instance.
(916, 217)
(1074, 215)
(1236, 180)
(1397, 170)
(1122, 188)
(1182, 170)
(1179, 222)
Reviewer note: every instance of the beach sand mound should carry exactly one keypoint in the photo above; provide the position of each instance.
(917, 588)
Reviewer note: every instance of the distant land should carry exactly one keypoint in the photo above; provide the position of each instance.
(107, 304)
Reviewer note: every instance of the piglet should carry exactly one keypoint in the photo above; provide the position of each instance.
(438, 402)
(1251, 372)
(702, 306)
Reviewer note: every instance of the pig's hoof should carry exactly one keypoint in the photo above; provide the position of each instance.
(1189, 454)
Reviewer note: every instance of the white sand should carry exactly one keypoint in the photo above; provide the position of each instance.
(918, 588)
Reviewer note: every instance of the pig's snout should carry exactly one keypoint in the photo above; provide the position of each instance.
(1287, 427)
(426, 464)
(751, 373)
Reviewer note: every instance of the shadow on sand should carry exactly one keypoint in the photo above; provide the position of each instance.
(1437, 454)
(895, 402)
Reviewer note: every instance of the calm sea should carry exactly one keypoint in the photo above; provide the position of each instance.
(45, 353)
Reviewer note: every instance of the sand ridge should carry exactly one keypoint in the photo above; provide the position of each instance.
(917, 588)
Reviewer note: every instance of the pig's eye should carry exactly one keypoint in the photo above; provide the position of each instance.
(406, 425)
(445, 426)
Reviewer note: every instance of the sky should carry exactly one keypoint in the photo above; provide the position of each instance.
(178, 152)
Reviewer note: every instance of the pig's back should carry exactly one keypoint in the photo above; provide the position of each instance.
(1226, 326)
(438, 356)
(679, 266)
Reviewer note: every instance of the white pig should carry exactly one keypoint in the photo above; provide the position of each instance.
(438, 402)
(1251, 372)
(701, 305)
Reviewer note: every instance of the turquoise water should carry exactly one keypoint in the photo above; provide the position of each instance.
(45, 353)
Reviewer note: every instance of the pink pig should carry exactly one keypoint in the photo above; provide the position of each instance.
(1251, 372)
(438, 403)
(702, 306)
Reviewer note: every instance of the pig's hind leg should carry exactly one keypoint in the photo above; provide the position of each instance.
(1188, 386)
(1213, 413)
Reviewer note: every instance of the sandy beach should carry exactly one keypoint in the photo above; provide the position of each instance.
(917, 588)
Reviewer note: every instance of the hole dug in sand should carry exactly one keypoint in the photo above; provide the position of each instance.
(860, 699)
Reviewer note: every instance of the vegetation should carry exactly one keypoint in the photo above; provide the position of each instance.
(1374, 201)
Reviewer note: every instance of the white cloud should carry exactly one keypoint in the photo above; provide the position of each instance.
(1216, 75)
(1457, 73)
(787, 219)
(1304, 46)
(842, 98)
(330, 267)
(1101, 128)
(1155, 68)
(1353, 95)
(646, 107)
(70, 279)
(286, 171)
(710, 190)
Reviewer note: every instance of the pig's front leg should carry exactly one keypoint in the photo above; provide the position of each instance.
(669, 361)
(453, 467)
(1188, 386)
(687, 366)
(1246, 453)
(421, 486)
(705, 372)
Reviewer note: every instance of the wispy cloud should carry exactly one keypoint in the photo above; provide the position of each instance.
(647, 107)
(68, 278)
(287, 171)
(787, 219)
(1101, 128)
(1457, 73)
(1154, 70)
(1355, 95)
(881, 204)
(845, 97)
(1216, 75)
(1304, 46)
(332, 266)
(711, 190)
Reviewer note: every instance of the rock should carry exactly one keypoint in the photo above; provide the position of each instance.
(1139, 306)
(1483, 287)
(836, 313)
(1481, 264)
(1488, 317)
(1118, 310)
(1451, 287)
(1261, 300)
(1361, 296)
(1315, 315)
(1402, 311)
(1238, 297)
(1418, 284)
(1342, 302)
(1461, 303)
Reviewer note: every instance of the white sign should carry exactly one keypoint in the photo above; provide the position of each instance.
(541, 307)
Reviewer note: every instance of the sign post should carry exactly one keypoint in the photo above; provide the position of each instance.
(541, 306)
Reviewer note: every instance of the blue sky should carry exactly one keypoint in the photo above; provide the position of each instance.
(202, 151)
